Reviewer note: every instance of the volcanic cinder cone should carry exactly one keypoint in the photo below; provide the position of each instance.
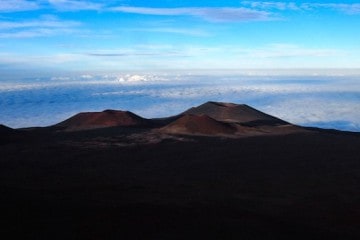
(230, 112)
(198, 124)
(107, 118)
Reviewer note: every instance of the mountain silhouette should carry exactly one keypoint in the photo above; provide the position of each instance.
(237, 113)
(8, 135)
(107, 118)
(5, 130)
(211, 118)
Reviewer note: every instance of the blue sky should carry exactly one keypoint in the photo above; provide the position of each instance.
(133, 35)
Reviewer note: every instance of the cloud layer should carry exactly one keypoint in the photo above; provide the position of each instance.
(313, 101)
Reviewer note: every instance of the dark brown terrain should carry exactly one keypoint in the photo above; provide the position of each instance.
(199, 124)
(217, 171)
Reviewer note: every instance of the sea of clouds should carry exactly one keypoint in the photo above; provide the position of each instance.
(328, 101)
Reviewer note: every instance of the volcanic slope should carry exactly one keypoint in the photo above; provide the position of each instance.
(9, 135)
(237, 113)
(5, 130)
(105, 119)
(199, 125)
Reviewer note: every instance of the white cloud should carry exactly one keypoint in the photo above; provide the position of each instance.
(137, 78)
(18, 5)
(225, 14)
(222, 87)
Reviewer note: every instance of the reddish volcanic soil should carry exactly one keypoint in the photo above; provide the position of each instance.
(107, 118)
(198, 124)
(231, 112)
(119, 177)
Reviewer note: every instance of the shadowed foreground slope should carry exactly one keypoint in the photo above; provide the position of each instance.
(84, 185)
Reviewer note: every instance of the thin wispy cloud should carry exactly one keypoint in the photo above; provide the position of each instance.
(119, 54)
(18, 5)
(135, 53)
(39, 32)
(47, 25)
(182, 31)
(225, 14)
(225, 45)
(252, 10)
(35, 60)
(272, 5)
(290, 50)
(348, 8)
(275, 50)
(47, 21)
